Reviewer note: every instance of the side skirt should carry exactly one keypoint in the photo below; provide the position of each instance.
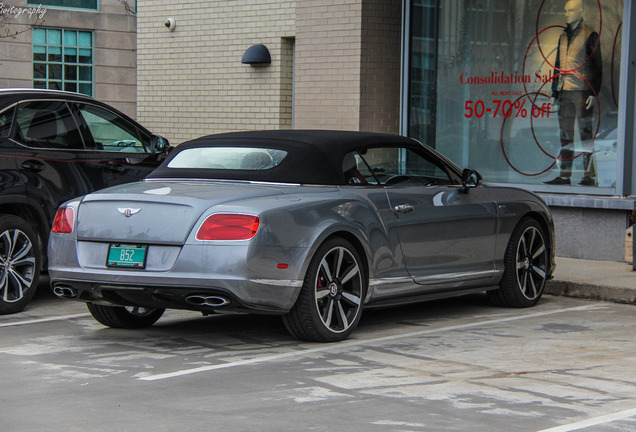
(428, 297)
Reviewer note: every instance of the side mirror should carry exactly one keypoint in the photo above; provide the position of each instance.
(470, 178)
(159, 144)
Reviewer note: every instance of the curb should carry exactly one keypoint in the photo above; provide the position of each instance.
(591, 292)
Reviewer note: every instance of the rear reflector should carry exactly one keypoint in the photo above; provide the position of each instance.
(64, 221)
(222, 226)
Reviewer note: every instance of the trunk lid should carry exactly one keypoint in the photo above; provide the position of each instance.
(157, 212)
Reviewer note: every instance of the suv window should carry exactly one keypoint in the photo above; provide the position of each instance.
(47, 124)
(6, 117)
(112, 133)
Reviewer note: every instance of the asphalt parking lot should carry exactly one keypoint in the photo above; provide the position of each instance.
(454, 365)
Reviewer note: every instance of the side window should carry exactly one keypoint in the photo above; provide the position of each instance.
(6, 117)
(47, 124)
(113, 133)
(356, 171)
(404, 166)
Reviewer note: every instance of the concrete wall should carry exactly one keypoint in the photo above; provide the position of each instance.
(590, 233)
(114, 47)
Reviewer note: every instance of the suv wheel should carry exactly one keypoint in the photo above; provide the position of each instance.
(20, 262)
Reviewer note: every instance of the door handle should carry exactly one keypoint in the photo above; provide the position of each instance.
(113, 166)
(33, 165)
(404, 208)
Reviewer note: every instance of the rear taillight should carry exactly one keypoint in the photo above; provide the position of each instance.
(64, 221)
(222, 226)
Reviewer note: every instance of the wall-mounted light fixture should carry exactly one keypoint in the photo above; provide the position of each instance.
(170, 24)
(256, 55)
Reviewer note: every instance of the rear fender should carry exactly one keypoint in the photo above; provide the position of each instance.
(307, 228)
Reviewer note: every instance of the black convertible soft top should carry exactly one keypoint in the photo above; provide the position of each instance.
(313, 156)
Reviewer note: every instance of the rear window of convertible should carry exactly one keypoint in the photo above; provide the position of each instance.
(228, 158)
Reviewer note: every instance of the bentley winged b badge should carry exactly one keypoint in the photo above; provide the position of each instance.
(128, 212)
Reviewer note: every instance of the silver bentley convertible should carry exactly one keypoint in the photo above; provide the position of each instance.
(312, 225)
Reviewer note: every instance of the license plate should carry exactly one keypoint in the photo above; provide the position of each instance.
(126, 255)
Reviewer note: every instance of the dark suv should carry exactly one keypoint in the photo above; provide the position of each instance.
(55, 146)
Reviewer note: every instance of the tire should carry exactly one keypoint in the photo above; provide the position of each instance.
(525, 267)
(330, 302)
(129, 317)
(20, 262)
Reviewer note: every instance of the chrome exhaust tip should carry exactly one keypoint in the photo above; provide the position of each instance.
(65, 291)
(211, 301)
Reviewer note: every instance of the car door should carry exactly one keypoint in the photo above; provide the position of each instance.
(124, 149)
(12, 188)
(447, 233)
(389, 276)
(50, 154)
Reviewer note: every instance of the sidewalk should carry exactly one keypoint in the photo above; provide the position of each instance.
(597, 280)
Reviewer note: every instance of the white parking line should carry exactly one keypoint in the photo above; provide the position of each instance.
(593, 421)
(343, 345)
(41, 320)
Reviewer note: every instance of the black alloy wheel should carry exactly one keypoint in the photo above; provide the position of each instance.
(127, 317)
(330, 303)
(526, 266)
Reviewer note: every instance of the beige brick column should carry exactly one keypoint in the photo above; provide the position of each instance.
(347, 73)
(380, 66)
(327, 74)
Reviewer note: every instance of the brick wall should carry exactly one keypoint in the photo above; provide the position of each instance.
(191, 81)
(114, 46)
(327, 74)
(348, 65)
(286, 82)
(335, 65)
(380, 66)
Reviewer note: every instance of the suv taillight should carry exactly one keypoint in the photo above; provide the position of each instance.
(223, 226)
(64, 221)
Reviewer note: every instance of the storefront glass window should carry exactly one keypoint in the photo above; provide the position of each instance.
(523, 91)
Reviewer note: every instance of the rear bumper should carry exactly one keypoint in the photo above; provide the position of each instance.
(240, 297)
(248, 277)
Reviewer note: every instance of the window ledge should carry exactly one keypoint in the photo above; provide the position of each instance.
(586, 201)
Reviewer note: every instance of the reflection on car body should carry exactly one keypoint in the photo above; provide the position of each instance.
(314, 226)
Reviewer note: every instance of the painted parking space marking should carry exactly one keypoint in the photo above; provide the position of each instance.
(353, 343)
(593, 421)
(48, 319)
